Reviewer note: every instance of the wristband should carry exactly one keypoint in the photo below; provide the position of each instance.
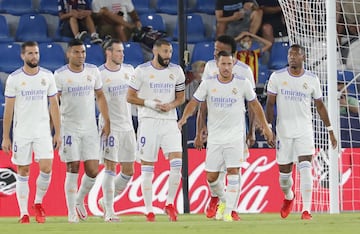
(270, 125)
(329, 128)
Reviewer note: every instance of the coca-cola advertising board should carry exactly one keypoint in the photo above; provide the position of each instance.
(260, 190)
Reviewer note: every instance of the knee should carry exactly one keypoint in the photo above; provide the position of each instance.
(211, 177)
(73, 167)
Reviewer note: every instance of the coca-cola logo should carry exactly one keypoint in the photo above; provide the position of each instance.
(7, 181)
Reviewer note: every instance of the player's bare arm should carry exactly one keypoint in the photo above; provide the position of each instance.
(8, 116)
(201, 130)
(133, 98)
(100, 98)
(189, 109)
(55, 120)
(321, 109)
(179, 100)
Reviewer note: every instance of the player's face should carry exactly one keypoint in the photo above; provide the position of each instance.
(295, 58)
(219, 46)
(31, 56)
(117, 53)
(164, 53)
(76, 55)
(225, 65)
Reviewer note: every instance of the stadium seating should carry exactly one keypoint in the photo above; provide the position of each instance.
(347, 76)
(133, 53)
(167, 6)
(205, 6)
(264, 74)
(278, 56)
(143, 7)
(49, 7)
(52, 56)
(94, 54)
(32, 27)
(154, 20)
(203, 51)
(195, 29)
(17, 7)
(10, 59)
(175, 53)
(4, 30)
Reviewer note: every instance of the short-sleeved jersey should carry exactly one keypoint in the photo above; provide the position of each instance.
(125, 6)
(226, 107)
(293, 101)
(31, 110)
(115, 86)
(65, 6)
(229, 7)
(78, 97)
(160, 84)
(240, 69)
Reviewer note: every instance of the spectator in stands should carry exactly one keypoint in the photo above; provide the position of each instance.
(75, 20)
(347, 14)
(348, 104)
(197, 69)
(235, 16)
(273, 23)
(248, 56)
(112, 17)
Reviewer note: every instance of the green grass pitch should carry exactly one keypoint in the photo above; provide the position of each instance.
(193, 224)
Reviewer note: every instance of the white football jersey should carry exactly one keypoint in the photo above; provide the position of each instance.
(31, 110)
(160, 84)
(240, 69)
(78, 97)
(293, 101)
(115, 85)
(226, 107)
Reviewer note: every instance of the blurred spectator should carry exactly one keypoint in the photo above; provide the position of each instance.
(249, 56)
(348, 14)
(117, 18)
(75, 20)
(273, 22)
(235, 16)
(348, 104)
(197, 69)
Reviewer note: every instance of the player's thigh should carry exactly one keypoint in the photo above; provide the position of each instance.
(214, 160)
(148, 142)
(21, 151)
(170, 138)
(304, 145)
(284, 150)
(234, 154)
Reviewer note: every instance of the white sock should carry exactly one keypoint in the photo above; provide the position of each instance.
(121, 182)
(108, 190)
(42, 185)
(238, 194)
(22, 194)
(221, 178)
(174, 179)
(71, 185)
(306, 184)
(86, 184)
(286, 182)
(147, 174)
(217, 187)
(232, 191)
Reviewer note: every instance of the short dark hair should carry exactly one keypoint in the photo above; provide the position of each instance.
(108, 44)
(28, 44)
(228, 40)
(224, 54)
(75, 42)
(161, 41)
(297, 46)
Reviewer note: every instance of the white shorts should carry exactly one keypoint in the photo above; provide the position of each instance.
(79, 146)
(155, 133)
(289, 149)
(22, 150)
(119, 146)
(230, 155)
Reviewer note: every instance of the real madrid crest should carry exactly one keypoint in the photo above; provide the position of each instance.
(43, 82)
(89, 78)
(234, 91)
(305, 86)
(107, 150)
(171, 76)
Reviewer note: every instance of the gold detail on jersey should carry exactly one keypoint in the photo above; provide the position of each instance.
(234, 91)
(108, 80)
(305, 86)
(213, 90)
(285, 83)
(151, 76)
(64, 150)
(43, 82)
(171, 76)
(23, 83)
(127, 76)
(89, 78)
(68, 81)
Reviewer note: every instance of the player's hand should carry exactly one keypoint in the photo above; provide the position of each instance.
(333, 139)
(6, 145)
(250, 139)
(57, 140)
(153, 104)
(105, 131)
(166, 107)
(181, 123)
(198, 142)
(269, 136)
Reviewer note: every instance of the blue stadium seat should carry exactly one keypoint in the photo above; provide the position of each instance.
(264, 74)
(205, 6)
(133, 53)
(17, 7)
(143, 6)
(154, 20)
(170, 6)
(347, 76)
(10, 59)
(175, 53)
(52, 56)
(94, 54)
(195, 29)
(203, 51)
(49, 7)
(32, 27)
(4, 30)
(278, 55)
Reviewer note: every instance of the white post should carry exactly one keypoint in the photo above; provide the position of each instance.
(333, 107)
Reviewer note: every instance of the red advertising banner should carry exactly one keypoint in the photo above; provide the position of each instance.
(260, 190)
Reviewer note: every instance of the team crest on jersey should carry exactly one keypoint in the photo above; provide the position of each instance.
(68, 81)
(234, 91)
(23, 83)
(213, 90)
(152, 76)
(285, 83)
(89, 78)
(108, 80)
(107, 150)
(132, 78)
(43, 82)
(171, 76)
(305, 86)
